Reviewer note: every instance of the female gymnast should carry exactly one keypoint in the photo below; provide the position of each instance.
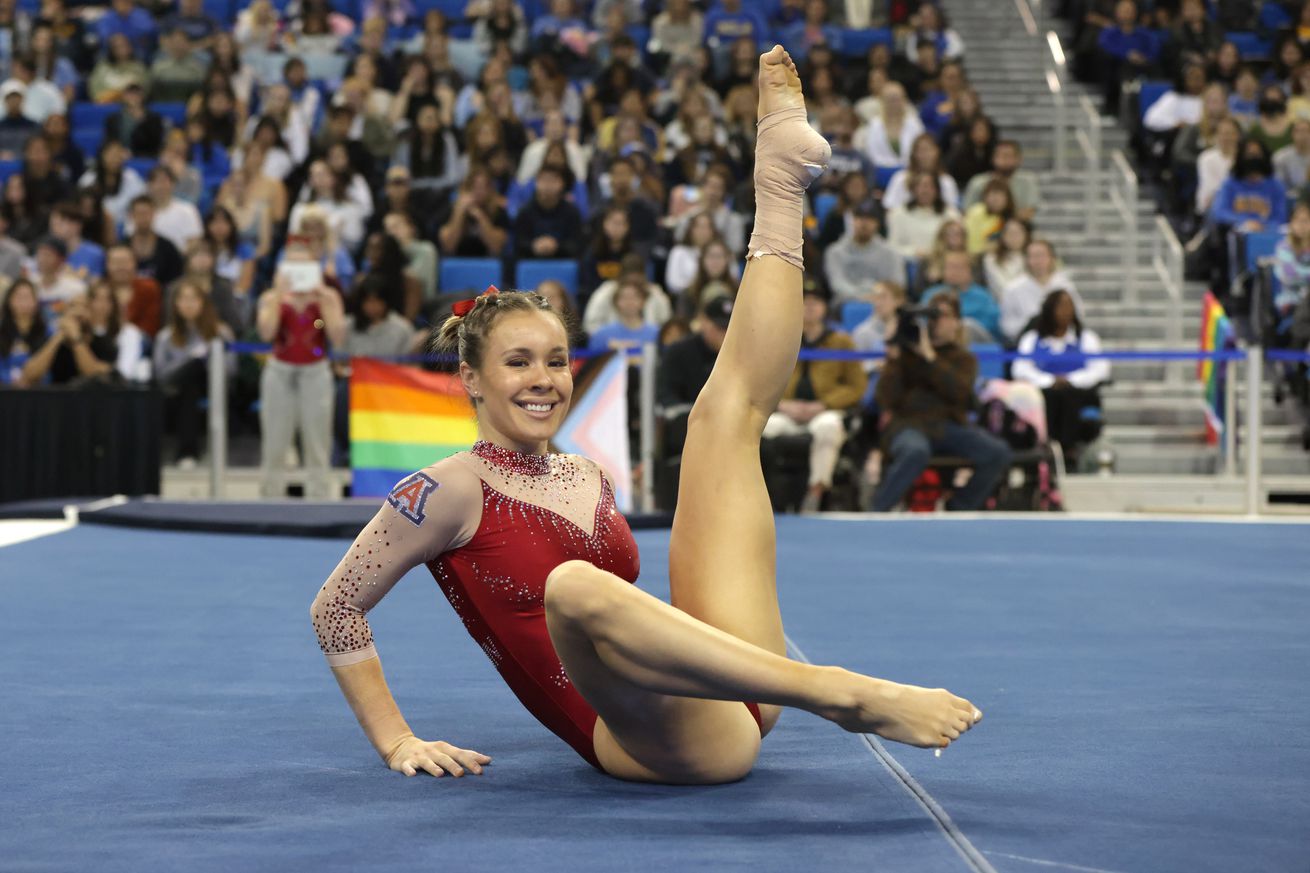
(538, 564)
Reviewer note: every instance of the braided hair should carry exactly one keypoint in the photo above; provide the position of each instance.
(465, 335)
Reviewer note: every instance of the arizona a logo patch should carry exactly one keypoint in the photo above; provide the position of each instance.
(410, 497)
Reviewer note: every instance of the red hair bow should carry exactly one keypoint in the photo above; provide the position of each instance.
(462, 308)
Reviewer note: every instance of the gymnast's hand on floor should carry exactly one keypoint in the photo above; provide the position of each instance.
(438, 758)
(925, 717)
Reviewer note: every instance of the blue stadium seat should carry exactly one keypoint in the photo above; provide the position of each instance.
(854, 313)
(223, 11)
(640, 34)
(532, 273)
(989, 367)
(1151, 92)
(9, 168)
(856, 42)
(88, 140)
(349, 8)
(823, 204)
(1251, 46)
(174, 113)
(882, 176)
(1274, 17)
(469, 274)
(1260, 244)
(453, 9)
(87, 115)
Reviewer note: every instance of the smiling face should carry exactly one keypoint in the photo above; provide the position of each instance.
(523, 385)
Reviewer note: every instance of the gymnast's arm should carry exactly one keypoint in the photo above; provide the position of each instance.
(433, 511)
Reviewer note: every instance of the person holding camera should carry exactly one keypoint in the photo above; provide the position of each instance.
(926, 389)
(301, 316)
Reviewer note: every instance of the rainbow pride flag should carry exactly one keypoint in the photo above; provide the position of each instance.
(1216, 336)
(402, 419)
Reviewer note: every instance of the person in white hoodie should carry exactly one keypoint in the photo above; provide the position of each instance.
(1180, 106)
(1022, 300)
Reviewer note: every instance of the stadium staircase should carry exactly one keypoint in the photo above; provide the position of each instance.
(1155, 426)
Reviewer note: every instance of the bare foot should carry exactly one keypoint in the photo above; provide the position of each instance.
(924, 717)
(780, 84)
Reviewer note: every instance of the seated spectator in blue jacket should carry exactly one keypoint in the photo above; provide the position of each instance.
(630, 330)
(814, 29)
(1251, 199)
(1127, 52)
(85, 258)
(978, 308)
(730, 20)
(125, 17)
(190, 18)
(548, 226)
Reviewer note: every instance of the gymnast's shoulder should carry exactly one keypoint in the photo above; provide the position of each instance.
(443, 499)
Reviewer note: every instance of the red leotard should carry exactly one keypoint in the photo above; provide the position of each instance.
(495, 581)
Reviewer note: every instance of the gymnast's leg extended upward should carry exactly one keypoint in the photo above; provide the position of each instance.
(667, 680)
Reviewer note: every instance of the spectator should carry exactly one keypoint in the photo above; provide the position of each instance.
(117, 69)
(115, 183)
(1195, 39)
(818, 395)
(176, 73)
(839, 127)
(23, 331)
(15, 128)
(890, 137)
(1068, 379)
(419, 254)
(175, 219)
(853, 190)
(181, 357)
(729, 21)
(234, 258)
(716, 276)
(258, 29)
(90, 342)
(1250, 199)
(1022, 300)
(560, 301)
(603, 259)
(375, 328)
(938, 107)
(126, 18)
(869, 107)
(313, 228)
(684, 258)
(1292, 262)
(85, 259)
(981, 315)
(854, 262)
(429, 152)
(256, 200)
(1244, 101)
(629, 330)
(983, 220)
(1004, 262)
(1272, 129)
(55, 282)
(1180, 106)
(282, 131)
(925, 157)
(1007, 165)
(501, 22)
(548, 226)
(1126, 51)
(711, 197)
(966, 108)
(296, 386)
(1216, 163)
(931, 28)
(972, 154)
(477, 225)
(138, 296)
(951, 237)
(41, 97)
(12, 253)
(926, 388)
(872, 334)
(684, 369)
(201, 272)
(813, 29)
(1293, 160)
(327, 191)
(385, 259)
(626, 194)
(24, 218)
(398, 195)
(678, 31)
(601, 308)
(1191, 141)
(135, 125)
(555, 130)
(190, 19)
(1227, 65)
(913, 227)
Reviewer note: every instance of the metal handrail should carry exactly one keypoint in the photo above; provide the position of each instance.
(1087, 136)
(1123, 197)
(1053, 62)
(1167, 258)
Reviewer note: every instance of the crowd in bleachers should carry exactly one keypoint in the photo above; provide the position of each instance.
(332, 175)
(1218, 94)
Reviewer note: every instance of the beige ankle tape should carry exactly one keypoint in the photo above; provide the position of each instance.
(787, 151)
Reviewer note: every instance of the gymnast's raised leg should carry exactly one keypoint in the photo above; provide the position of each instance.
(668, 681)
